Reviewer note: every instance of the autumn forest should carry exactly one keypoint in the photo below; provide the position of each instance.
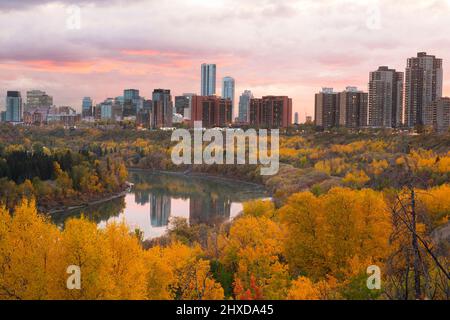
(340, 203)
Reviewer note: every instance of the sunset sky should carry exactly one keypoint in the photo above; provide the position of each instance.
(290, 47)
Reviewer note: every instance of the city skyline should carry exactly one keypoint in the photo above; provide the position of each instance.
(99, 61)
(208, 80)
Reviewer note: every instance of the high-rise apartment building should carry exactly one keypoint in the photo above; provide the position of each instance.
(228, 91)
(385, 98)
(208, 82)
(143, 116)
(162, 113)
(87, 107)
(132, 103)
(14, 108)
(424, 78)
(109, 110)
(437, 115)
(212, 111)
(346, 109)
(326, 110)
(131, 94)
(38, 99)
(296, 118)
(352, 108)
(244, 106)
(443, 115)
(271, 112)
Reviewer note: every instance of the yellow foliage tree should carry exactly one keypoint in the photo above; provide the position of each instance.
(378, 167)
(436, 203)
(252, 249)
(63, 181)
(122, 173)
(190, 274)
(356, 179)
(28, 254)
(35, 257)
(85, 246)
(160, 277)
(334, 166)
(260, 208)
(303, 289)
(327, 234)
(128, 272)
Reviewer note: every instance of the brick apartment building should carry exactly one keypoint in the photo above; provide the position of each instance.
(212, 111)
(271, 112)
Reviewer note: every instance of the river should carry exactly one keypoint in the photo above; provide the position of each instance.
(157, 197)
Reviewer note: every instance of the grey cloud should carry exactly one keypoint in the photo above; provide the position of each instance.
(8, 5)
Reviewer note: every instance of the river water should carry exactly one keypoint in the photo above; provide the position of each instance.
(157, 197)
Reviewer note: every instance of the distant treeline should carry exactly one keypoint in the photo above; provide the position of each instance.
(58, 176)
(20, 165)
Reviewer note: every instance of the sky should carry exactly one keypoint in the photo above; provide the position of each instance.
(77, 48)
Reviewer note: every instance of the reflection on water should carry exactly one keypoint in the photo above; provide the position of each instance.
(156, 197)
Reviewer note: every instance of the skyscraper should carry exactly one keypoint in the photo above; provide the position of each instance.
(162, 113)
(130, 94)
(326, 111)
(228, 91)
(14, 109)
(424, 75)
(352, 108)
(132, 102)
(208, 79)
(244, 106)
(296, 119)
(86, 107)
(38, 99)
(385, 98)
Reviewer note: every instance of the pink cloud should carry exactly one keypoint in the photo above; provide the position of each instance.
(293, 48)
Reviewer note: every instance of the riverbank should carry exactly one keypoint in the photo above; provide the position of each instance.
(127, 188)
(100, 200)
(202, 175)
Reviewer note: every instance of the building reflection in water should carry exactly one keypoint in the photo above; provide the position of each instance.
(210, 202)
(209, 209)
(157, 197)
(160, 209)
